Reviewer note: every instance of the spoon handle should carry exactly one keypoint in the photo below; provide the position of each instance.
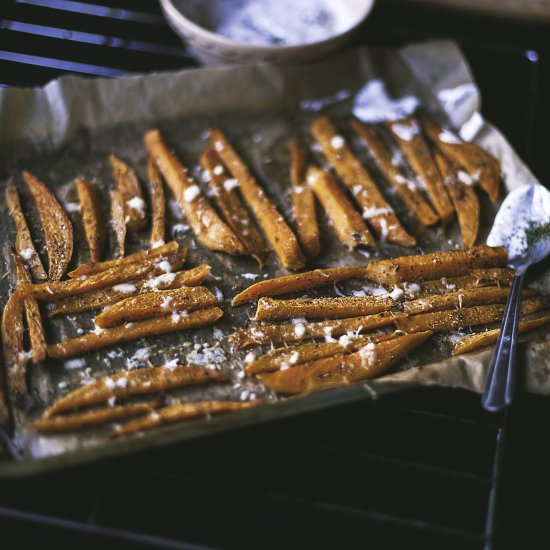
(501, 381)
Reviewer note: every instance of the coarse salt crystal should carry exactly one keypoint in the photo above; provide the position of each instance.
(465, 178)
(172, 364)
(298, 189)
(293, 359)
(75, 363)
(218, 170)
(158, 244)
(396, 293)
(165, 302)
(165, 266)
(448, 137)
(344, 340)
(161, 280)
(26, 253)
(191, 193)
(109, 382)
(121, 382)
(251, 276)
(137, 203)
(337, 142)
(230, 183)
(125, 287)
(249, 357)
(299, 330)
(406, 132)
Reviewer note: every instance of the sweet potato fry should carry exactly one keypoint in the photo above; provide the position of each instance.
(452, 263)
(107, 296)
(500, 276)
(473, 158)
(319, 308)
(139, 329)
(298, 282)
(208, 227)
(277, 232)
(303, 202)
(158, 203)
(138, 257)
(15, 357)
(472, 342)
(58, 230)
(118, 222)
(280, 334)
(405, 188)
(230, 205)
(135, 208)
(181, 411)
(94, 227)
(369, 362)
(464, 198)
(37, 335)
(466, 317)
(296, 355)
(376, 210)
(24, 244)
(408, 135)
(346, 221)
(89, 419)
(156, 304)
(126, 384)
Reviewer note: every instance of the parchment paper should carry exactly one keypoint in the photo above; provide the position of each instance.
(68, 128)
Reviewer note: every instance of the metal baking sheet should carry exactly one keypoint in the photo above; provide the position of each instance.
(68, 128)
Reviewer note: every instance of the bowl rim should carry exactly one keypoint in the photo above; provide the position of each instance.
(171, 11)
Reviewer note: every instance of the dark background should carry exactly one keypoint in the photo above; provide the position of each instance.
(426, 468)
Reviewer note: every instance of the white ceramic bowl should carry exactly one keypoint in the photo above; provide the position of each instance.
(190, 19)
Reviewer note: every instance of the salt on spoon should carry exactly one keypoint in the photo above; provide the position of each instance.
(522, 225)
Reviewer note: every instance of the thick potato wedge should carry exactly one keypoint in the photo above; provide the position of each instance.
(346, 221)
(499, 276)
(58, 230)
(15, 357)
(24, 244)
(37, 336)
(138, 257)
(369, 362)
(89, 419)
(139, 329)
(207, 226)
(479, 164)
(405, 188)
(472, 342)
(156, 304)
(407, 133)
(280, 334)
(378, 213)
(303, 202)
(126, 384)
(158, 203)
(134, 207)
(464, 198)
(452, 263)
(182, 411)
(321, 308)
(230, 205)
(118, 222)
(283, 358)
(107, 296)
(277, 232)
(94, 228)
(466, 317)
(298, 282)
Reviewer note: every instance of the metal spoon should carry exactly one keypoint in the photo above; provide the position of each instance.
(522, 225)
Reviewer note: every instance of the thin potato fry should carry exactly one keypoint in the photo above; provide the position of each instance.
(134, 207)
(405, 188)
(139, 329)
(156, 304)
(472, 342)
(280, 334)
(465, 201)
(298, 282)
(15, 357)
(452, 263)
(94, 227)
(231, 206)
(303, 202)
(158, 203)
(118, 222)
(107, 296)
(346, 221)
(90, 419)
(58, 230)
(126, 384)
(24, 244)
(319, 308)
(277, 232)
(466, 317)
(473, 158)
(475, 279)
(375, 209)
(369, 362)
(408, 135)
(181, 411)
(208, 227)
